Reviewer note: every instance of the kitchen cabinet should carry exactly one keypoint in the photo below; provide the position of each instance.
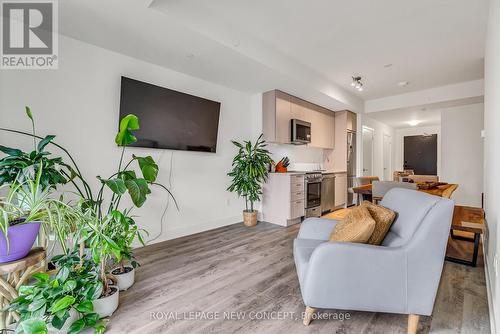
(279, 108)
(340, 189)
(283, 199)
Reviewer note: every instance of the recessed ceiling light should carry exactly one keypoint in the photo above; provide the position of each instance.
(403, 83)
(189, 55)
(387, 65)
(414, 122)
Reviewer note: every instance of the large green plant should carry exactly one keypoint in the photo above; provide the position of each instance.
(50, 299)
(250, 170)
(16, 166)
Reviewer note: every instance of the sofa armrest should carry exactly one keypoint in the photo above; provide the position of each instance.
(316, 228)
(357, 276)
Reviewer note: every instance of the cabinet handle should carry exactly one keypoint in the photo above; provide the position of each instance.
(298, 202)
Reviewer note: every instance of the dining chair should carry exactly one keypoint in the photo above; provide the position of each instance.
(361, 181)
(380, 188)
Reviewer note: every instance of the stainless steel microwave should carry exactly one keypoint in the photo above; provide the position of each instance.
(301, 131)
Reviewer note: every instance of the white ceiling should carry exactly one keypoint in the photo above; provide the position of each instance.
(428, 115)
(307, 48)
(429, 43)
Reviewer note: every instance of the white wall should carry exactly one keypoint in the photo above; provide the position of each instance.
(79, 103)
(462, 152)
(399, 135)
(378, 143)
(492, 158)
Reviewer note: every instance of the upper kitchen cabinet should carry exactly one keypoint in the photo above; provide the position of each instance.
(279, 108)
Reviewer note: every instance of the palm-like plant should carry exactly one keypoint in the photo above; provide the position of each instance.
(250, 170)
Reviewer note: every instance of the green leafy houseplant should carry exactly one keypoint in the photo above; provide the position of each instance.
(16, 164)
(249, 171)
(63, 300)
(28, 202)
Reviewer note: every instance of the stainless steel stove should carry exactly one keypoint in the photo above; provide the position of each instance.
(312, 192)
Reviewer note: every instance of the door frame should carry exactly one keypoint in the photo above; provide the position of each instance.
(372, 130)
(387, 135)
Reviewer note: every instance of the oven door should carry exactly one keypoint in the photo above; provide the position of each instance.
(313, 194)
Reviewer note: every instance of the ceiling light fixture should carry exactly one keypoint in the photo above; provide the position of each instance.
(403, 83)
(414, 122)
(356, 83)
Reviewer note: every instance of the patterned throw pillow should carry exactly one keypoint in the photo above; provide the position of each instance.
(383, 217)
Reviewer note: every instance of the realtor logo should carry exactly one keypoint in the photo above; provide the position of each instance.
(29, 34)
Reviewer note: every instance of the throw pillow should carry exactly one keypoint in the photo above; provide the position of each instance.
(357, 226)
(383, 217)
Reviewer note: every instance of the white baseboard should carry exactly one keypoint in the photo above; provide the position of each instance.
(173, 233)
(491, 306)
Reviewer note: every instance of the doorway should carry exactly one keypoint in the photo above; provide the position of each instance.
(387, 157)
(368, 136)
(420, 154)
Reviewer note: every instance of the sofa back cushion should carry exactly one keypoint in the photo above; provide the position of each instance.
(411, 207)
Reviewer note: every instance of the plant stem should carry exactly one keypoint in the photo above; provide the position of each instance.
(103, 277)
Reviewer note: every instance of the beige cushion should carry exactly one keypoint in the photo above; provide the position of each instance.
(357, 226)
(383, 217)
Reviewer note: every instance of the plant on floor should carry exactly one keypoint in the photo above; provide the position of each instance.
(64, 300)
(249, 172)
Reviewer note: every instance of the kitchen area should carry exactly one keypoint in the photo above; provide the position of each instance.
(319, 148)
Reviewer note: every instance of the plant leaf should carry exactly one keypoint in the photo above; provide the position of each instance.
(76, 327)
(70, 285)
(32, 326)
(11, 151)
(63, 274)
(124, 137)
(116, 185)
(28, 112)
(44, 142)
(85, 306)
(41, 277)
(62, 303)
(149, 168)
(138, 189)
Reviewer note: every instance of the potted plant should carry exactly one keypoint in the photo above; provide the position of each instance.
(62, 303)
(125, 232)
(20, 221)
(249, 172)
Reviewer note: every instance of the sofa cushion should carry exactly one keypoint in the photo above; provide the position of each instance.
(302, 251)
(411, 207)
(383, 217)
(357, 226)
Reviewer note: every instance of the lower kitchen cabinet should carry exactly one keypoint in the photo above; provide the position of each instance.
(283, 199)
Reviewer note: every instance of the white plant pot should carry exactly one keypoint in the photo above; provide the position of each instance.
(73, 316)
(124, 280)
(105, 306)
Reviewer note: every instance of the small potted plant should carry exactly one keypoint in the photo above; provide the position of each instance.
(62, 303)
(125, 232)
(250, 171)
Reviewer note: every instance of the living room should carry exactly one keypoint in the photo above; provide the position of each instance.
(336, 89)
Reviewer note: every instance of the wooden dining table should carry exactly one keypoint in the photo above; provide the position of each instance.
(440, 190)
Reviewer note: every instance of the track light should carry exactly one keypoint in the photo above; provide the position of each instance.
(356, 83)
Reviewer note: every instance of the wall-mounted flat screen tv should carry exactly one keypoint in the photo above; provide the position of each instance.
(170, 119)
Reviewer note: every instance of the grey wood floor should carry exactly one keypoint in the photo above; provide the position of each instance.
(251, 270)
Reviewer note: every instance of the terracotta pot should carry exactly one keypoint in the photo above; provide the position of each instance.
(124, 280)
(105, 306)
(250, 218)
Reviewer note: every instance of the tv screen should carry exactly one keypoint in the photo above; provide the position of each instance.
(169, 119)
